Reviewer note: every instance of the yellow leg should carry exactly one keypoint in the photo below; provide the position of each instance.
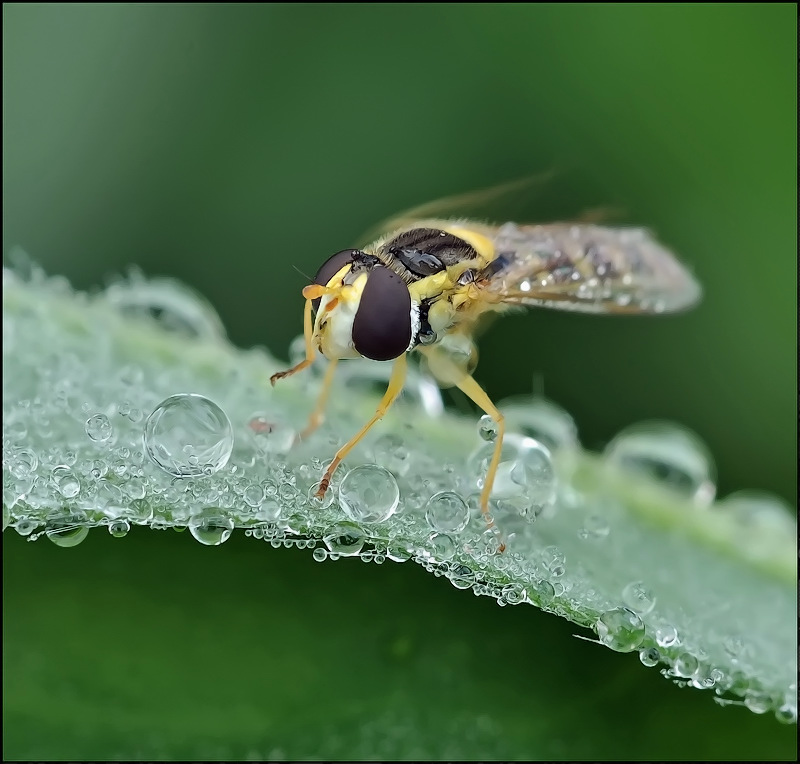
(308, 333)
(317, 415)
(396, 381)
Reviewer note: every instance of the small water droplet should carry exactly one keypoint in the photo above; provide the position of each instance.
(345, 539)
(23, 463)
(391, 452)
(65, 482)
(320, 554)
(786, 714)
(638, 598)
(119, 528)
(253, 495)
(685, 665)
(671, 455)
(99, 428)
(211, 526)
(441, 547)
(666, 636)
(447, 512)
(488, 428)
(188, 435)
(318, 503)
(620, 629)
(398, 552)
(649, 656)
(369, 494)
(757, 702)
(461, 577)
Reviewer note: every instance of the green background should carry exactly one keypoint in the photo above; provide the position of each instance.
(236, 146)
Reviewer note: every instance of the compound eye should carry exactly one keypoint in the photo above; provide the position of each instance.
(382, 324)
(331, 267)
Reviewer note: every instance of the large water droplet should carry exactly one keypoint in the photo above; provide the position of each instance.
(369, 494)
(66, 534)
(99, 428)
(447, 512)
(638, 598)
(668, 454)
(345, 539)
(188, 435)
(211, 526)
(542, 420)
(620, 629)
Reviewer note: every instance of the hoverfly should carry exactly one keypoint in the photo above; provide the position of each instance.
(423, 287)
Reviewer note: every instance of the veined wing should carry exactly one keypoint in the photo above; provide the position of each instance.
(586, 268)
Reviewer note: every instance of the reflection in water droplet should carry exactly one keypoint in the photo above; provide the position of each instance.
(638, 598)
(620, 629)
(649, 656)
(345, 539)
(187, 435)
(211, 526)
(671, 455)
(98, 428)
(447, 512)
(369, 494)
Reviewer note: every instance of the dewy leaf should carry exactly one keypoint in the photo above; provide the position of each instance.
(129, 408)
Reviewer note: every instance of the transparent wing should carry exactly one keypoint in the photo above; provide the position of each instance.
(586, 268)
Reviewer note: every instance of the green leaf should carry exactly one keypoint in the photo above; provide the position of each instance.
(156, 647)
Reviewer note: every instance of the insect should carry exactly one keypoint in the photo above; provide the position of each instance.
(424, 286)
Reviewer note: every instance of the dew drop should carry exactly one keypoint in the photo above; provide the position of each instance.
(188, 435)
(487, 428)
(119, 528)
(345, 539)
(398, 552)
(253, 495)
(320, 554)
(756, 510)
(638, 598)
(316, 502)
(461, 577)
(447, 512)
(99, 428)
(620, 629)
(786, 714)
(369, 494)
(757, 702)
(66, 534)
(671, 455)
(391, 452)
(65, 482)
(211, 526)
(441, 547)
(542, 420)
(666, 636)
(685, 665)
(649, 656)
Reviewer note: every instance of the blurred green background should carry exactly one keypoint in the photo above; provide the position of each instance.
(231, 146)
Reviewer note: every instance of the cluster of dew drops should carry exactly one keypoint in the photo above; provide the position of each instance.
(88, 444)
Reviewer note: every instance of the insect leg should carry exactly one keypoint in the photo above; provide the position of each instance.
(317, 415)
(308, 333)
(396, 382)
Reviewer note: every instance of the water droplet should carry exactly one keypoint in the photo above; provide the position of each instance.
(487, 428)
(389, 451)
(66, 534)
(620, 629)
(447, 512)
(685, 665)
(23, 463)
(398, 552)
(649, 656)
(318, 503)
(542, 420)
(595, 528)
(755, 510)
(320, 554)
(671, 455)
(554, 561)
(638, 598)
(441, 547)
(253, 495)
(211, 526)
(269, 511)
(786, 714)
(65, 482)
(187, 435)
(369, 494)
(271, 434)
(98, 428)
(666, 636)
(119, 528)
(345, 539)
(461, 577)
(533, 471)
(757, 702)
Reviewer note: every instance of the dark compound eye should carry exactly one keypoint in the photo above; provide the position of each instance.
(382, 324)
(332, 266)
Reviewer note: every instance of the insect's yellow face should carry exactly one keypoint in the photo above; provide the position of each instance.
(333, 327)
